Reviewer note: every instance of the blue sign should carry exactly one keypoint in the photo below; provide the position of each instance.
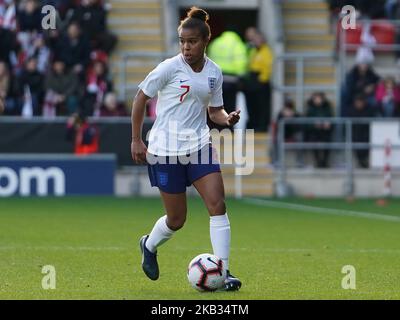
(56, 175)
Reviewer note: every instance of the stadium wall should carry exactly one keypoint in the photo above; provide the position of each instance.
(39, 136)
(333, 183)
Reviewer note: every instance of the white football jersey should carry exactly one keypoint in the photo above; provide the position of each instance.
(183, 97)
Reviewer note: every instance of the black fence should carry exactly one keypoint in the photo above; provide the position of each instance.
(46, 136)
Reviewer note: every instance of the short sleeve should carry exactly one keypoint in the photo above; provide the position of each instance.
(216, 96)
(156, 80)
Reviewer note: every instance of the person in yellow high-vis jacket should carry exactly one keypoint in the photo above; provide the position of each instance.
(258, 87)
(229, 52)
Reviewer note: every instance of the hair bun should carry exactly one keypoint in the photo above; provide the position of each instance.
(198, 13)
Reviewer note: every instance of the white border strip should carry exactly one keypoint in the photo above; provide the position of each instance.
(310, 209)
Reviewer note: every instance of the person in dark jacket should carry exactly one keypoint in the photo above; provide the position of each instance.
(320, 131)
(360, 134)
(30, 78)
(62, 89)
(8, 44)
(92, 17)
(293, 132)
(289, 112)
(361, 79)
(97, 86)
(30, 17)
(73, 49)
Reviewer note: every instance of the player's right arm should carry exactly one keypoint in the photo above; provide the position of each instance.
(138, 148)
(148, 89)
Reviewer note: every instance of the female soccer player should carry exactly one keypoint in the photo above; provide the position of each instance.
(187, 85)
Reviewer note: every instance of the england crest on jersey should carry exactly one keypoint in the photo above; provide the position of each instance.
(212, 83)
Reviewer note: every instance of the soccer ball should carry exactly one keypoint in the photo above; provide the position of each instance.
(206, 272)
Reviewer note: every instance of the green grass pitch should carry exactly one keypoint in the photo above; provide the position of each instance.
(278, 252)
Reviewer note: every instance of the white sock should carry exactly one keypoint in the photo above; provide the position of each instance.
(220, 234)
(160, 234)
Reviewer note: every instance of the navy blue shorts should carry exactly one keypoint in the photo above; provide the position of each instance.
(174, 174)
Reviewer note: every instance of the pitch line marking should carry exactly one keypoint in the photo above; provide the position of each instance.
(64, 248)
(301, 250)
(276, 250)
(305, 208)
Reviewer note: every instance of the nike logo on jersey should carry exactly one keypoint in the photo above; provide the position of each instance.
(183, 81)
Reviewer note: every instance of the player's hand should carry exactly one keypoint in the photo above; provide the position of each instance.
(138, 150)
(233, 118)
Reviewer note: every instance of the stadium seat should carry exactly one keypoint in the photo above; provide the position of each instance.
(384, 33)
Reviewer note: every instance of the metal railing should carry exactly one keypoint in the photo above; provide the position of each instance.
(300, 87)
(348, 145)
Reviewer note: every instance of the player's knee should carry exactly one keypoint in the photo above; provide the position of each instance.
(176, 223)
(217, 206)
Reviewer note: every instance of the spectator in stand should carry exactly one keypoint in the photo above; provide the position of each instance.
(73, 49)
(31, 79)
(112, 107)
(8, 45)
(320, 131)
(29, 16)
(33, 45)
(388, 97)
(250, 35)
(62, 6)
(361, 79)
(293, 132)
(92, 17)
(7, 90)
(62, 91)
(97, 86)
(289, 112)
(258, 87)
(361, 109)
(42, 52)
(64, 11)
(84, 134)
(4, 85)
(8, 18)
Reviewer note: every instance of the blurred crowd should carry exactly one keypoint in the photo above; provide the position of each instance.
(61, 71)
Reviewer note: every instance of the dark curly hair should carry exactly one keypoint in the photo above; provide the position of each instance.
(197, 18)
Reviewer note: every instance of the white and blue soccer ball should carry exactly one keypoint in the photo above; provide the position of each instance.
(206, 272)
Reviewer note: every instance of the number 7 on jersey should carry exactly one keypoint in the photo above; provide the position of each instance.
(187, 88)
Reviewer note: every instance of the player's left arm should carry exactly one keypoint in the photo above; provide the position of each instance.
(216, 109)
(219, 116)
